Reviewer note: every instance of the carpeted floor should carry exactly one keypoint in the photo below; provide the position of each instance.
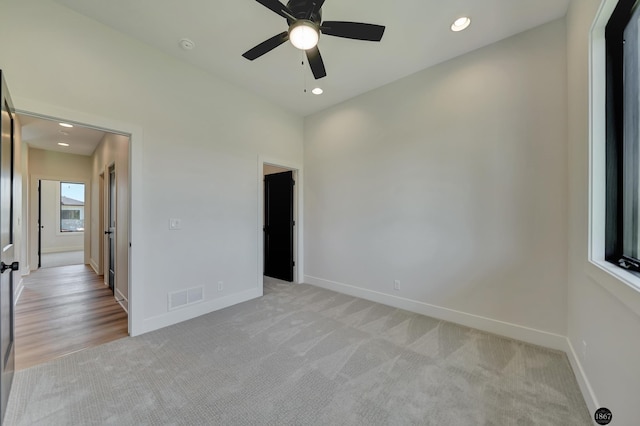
(301, 355)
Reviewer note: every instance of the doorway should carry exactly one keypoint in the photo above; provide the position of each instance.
(280, 224)
(69, 178)
(61, 223)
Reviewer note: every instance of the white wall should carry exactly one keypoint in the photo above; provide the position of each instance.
(52, 239)
(452, 181)
(194, 157)
(52, 165)
(605, 322)
(113, 150)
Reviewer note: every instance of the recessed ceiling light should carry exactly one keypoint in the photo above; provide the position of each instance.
(66, 124)
(460, 24)
(317, 91)
(63, 144)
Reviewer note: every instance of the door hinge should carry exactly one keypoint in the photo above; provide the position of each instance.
(294, 223)
(294, 263)
(294, 182)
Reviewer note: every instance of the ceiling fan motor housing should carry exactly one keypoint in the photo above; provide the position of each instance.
(300, 9)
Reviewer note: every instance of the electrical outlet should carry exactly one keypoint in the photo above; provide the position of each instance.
(584, 350)
(396, 285)
(220, 286)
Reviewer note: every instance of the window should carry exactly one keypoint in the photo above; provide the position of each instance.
(623, 137)
(71, 207)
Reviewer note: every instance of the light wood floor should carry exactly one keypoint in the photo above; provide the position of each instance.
(64, 310)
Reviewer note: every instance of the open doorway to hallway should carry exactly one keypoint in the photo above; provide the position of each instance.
(65, 302)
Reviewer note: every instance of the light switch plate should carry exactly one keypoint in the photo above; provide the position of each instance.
(175, 224)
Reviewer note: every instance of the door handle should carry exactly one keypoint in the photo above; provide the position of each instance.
(14, 266)
(108, 232)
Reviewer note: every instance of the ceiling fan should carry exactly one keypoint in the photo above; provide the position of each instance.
(304, 18)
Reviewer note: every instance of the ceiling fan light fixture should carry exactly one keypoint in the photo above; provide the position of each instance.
(304, 34)
(461, 23)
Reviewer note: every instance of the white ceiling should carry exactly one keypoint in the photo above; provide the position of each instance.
(45, 134)
(417, 36)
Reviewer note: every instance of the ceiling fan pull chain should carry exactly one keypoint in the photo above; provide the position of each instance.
(304, 75)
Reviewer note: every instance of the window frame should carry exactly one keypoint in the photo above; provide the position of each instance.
(616, 281)
(616, 175)
(62, 231)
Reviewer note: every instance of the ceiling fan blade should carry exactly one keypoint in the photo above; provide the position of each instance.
(315, 7)
(278, 8)
(354, 30)
(316, 63)
(266, 46)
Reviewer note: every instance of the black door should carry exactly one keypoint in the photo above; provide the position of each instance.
(7, 264)
(111, 232)
(40, 224)
(278, 226)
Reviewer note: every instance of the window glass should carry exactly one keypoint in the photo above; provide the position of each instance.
(631, 138)
(71, 207)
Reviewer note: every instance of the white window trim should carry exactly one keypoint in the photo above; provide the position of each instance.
(618, 281)
(59, 233)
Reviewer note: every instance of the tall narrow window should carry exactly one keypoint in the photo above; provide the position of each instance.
(623, 136)
(71, 207)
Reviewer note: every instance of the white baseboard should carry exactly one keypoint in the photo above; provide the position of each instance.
(122, 300)
(94, 266)
(62, 249)
(197, 309)
(514, 331)
(585, 387)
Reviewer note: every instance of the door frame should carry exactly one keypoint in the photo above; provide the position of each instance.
(298, 216)
(100, 237)
(8, 150)
(134, 132)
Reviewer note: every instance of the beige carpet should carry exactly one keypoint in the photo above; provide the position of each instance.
(301, 355)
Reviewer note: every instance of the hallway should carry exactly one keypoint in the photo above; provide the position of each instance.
(63, 310)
